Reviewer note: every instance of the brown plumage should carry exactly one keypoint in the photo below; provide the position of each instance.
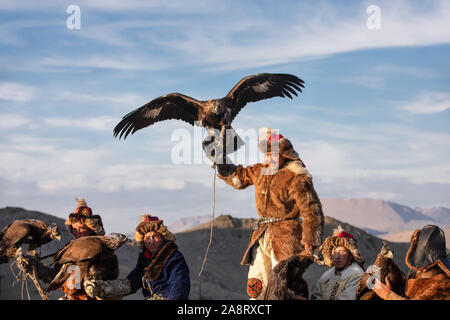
(286, 279)
(93, 256)
(387, 268)
(211, 114)
(33, 232)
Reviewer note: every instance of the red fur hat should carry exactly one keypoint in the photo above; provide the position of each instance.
(83, 214)
(82, 207)
(270, 140)
(340, 238)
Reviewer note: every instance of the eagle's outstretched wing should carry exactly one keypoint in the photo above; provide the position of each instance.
(15, 234)
(263, 86)
(170, 106)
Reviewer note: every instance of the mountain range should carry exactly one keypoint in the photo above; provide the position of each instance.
(385, 219)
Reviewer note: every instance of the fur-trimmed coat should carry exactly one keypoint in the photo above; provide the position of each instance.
(165, 275)
(433, 284)
(287, 194)
(338, 287)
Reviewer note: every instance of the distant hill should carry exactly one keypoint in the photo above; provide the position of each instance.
(377, 217)
(405, 236)
(439, 214)
(223, 276)
(188, 223)
(380, 217)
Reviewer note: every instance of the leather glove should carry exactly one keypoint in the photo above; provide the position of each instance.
(214, 152)
(107, 289)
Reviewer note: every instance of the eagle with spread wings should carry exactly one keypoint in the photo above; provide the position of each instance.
(213, 114)
(33, 232)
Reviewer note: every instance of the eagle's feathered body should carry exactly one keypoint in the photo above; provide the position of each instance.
(212, 114)
(286, 279)
(91, 257)
(387, 268)
(33, 232)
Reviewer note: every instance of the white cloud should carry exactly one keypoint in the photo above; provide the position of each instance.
(105, 62)
(428, 103)
(220, 37)
(11, 121)
(16, 92)
(317, 32)
(128, 99)
(116, 5)
(89, 123)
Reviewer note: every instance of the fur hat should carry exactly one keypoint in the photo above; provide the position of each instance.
(427, 250)
(340, 238)
(82, 207)
(93, 222)
(149, 223)
(269, 140)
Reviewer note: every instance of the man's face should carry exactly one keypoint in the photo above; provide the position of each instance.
(274, 159)
(80, 230)
(340, 256)
(152, 241)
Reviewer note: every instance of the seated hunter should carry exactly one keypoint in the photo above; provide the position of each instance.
(161, 270)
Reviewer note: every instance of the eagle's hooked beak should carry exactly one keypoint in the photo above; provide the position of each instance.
(58, 237)
(389, 255)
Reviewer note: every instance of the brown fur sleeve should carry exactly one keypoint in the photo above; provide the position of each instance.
(242, 177)
(302, 191)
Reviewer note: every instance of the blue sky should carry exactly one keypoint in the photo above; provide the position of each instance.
(373, 120)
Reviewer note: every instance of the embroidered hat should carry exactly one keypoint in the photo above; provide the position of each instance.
(269, 140)
(340, 238)
(151, 223)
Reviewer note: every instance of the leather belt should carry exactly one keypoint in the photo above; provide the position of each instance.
(271, 220)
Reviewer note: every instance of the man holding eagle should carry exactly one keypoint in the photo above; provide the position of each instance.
(89, 255)
(283, 197)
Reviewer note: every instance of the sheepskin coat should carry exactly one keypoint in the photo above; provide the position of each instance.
(338, 287)
(433, 284)
(288, 194)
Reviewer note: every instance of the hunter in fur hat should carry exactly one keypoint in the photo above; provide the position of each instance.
(161, 269)
(81, 223)
(291, 218)
(429, 277)
(341, 254)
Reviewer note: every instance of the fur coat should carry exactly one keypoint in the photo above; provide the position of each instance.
(338, 287)
(287, 194)
(433, 284)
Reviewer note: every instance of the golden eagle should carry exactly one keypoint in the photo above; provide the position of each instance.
(90, 257)
(387, 268)
(212, 114)
(286, 278)
(33, 232)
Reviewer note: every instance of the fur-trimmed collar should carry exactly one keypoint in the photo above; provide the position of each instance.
(353, 269)
(296, 167)
(158, 262)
